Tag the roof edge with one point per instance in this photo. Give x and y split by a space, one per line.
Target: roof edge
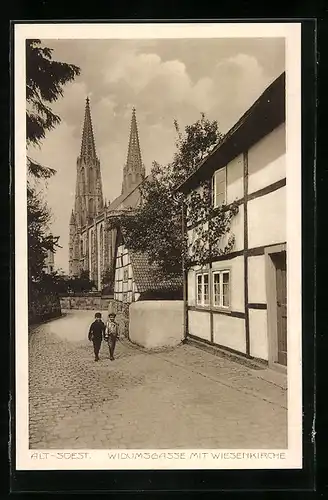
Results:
254 109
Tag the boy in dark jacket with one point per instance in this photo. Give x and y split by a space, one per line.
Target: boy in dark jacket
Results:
96 332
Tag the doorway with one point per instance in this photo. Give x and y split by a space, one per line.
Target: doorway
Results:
281 297
276 285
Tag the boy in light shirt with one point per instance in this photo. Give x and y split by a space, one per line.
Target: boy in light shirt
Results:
111 334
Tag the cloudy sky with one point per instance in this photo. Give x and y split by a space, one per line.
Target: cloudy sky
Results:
164 80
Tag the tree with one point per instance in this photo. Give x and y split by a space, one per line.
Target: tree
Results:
155 227
82 283
39 242
45 79
107 280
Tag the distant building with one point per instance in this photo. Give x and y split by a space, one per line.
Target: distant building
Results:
239 301
91 241
134 275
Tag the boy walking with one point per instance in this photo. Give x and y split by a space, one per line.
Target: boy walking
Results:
96 332
111 334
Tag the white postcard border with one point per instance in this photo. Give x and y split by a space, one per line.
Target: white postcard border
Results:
164 459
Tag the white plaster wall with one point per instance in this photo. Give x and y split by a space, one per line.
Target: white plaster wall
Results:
125 258
258 332
192 288
236 268
235 179
229 331
118 273
267 160
192 283
192 235
236 228
199 324
122 286
267 219
256 279
154 324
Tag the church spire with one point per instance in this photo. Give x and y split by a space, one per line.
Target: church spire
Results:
88 148
134 155
134 170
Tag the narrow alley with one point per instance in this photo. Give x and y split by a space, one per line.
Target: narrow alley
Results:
180 398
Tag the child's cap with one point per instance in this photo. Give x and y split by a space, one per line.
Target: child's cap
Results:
98 315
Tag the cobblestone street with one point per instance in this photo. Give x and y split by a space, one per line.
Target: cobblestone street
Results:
182 398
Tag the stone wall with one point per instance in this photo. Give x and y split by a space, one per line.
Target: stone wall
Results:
122 315
85 302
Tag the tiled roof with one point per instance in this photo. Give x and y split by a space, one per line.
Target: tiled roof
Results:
124 198
146 274
266 113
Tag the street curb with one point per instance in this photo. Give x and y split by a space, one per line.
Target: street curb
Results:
217 351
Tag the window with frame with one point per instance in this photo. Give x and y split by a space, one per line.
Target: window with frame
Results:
221 289
219 187
203 296
126 274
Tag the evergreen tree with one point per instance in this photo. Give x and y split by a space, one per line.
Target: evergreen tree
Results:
45 79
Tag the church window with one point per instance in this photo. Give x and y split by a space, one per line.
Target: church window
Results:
91 241
91 176
101 247
91 206
83 179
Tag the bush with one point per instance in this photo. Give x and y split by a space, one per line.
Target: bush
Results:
43 303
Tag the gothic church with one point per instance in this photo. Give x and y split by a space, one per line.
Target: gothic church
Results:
91 240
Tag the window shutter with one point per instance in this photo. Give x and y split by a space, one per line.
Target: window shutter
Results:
219 184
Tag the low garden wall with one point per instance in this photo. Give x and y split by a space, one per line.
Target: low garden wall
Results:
85 302
156 324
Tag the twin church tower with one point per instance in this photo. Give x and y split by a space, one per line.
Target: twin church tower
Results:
91 240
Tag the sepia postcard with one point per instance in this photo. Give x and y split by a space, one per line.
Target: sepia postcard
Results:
158 246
